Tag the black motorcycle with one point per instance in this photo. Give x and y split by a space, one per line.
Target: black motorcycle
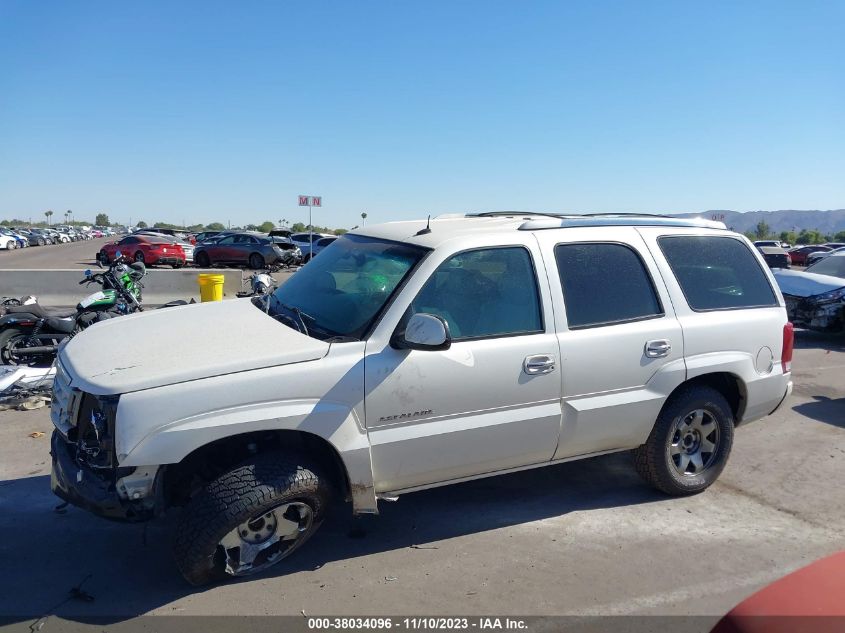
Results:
30 334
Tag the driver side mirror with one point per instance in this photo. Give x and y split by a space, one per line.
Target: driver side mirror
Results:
424 332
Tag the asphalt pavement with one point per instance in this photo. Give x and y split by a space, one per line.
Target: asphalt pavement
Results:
582 538
56 256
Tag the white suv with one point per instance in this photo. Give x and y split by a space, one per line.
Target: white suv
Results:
410 356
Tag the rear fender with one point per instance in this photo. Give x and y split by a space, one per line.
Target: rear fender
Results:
18 319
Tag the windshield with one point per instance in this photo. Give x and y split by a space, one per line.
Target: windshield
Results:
342 292
833 265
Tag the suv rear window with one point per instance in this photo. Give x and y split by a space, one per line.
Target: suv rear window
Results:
604 284
717 273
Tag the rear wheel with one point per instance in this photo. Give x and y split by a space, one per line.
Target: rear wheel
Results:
12 245
203 260
103 258
13 340
250 518
690 442
256 261
139 257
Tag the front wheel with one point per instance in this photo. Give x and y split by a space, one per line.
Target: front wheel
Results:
250 518
690 442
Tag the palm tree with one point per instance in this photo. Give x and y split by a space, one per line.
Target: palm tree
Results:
48 214
363 217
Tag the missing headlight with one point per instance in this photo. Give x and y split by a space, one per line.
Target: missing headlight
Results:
95 434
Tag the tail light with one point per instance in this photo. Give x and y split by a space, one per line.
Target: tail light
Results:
788 344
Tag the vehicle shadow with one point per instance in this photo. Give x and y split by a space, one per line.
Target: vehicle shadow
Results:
129 571
824 409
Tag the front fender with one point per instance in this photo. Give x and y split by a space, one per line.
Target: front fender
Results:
163 425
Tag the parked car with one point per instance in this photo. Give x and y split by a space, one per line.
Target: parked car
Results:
768 243
407 357
204 235
20 240
147 249
319 245
40 237
798 255
187 247
812 258
182 236
774 256
304 241
815 297
243 249
8 242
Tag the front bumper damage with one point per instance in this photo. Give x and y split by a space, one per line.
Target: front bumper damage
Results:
93 490
811 314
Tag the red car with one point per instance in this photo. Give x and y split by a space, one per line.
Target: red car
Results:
144 248
798 255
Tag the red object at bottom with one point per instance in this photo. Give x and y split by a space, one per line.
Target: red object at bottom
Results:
811 599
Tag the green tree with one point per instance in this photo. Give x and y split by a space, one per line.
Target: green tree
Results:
102 219
809 236
839 237
142 225
340 231
48 214
266 226
762 230
215 226
298 227
788 236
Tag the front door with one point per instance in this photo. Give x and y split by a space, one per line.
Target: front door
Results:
491 401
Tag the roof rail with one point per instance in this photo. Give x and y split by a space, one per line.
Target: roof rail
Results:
635 219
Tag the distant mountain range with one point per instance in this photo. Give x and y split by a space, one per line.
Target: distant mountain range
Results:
828 222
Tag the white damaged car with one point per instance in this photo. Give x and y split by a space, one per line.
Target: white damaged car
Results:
815 298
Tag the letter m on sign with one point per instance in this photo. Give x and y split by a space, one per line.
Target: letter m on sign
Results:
303 201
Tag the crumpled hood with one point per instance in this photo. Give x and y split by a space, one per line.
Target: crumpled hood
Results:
170 345
801 284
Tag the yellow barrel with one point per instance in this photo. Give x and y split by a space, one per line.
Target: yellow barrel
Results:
211 287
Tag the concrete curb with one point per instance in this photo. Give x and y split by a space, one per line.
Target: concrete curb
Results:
61 287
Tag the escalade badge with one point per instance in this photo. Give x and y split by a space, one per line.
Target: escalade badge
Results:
405 416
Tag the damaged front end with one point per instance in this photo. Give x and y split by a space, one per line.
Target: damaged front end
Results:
822 313
85 470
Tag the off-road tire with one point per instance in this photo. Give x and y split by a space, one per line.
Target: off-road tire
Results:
652 459
257 485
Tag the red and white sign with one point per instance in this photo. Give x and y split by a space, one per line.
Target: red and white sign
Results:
310 201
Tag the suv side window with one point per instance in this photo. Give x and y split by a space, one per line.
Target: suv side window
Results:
604 284
484 293
717 273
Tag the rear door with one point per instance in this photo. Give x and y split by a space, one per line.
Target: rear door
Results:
621 344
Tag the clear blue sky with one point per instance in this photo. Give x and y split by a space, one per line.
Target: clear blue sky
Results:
217 111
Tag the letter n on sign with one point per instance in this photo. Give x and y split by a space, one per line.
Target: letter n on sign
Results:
316 201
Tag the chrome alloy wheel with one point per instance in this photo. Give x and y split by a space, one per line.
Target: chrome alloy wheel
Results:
694 442
265 539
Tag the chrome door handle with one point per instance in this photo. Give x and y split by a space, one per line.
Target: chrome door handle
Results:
658 348
539 364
